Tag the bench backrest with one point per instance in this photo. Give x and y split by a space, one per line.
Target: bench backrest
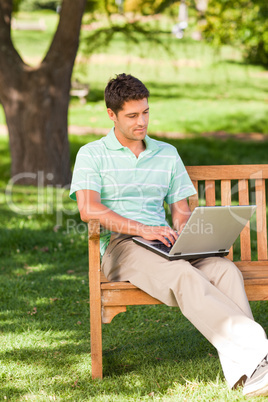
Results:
245 184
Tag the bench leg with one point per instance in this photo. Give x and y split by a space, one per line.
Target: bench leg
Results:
96 340
95 297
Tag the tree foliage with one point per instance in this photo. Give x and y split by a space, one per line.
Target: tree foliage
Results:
148 7
242 23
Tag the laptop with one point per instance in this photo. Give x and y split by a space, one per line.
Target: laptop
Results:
210 231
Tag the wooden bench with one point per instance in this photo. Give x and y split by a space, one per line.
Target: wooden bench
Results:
243 184
80 90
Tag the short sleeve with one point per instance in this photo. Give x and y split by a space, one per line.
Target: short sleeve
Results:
86 174
181 185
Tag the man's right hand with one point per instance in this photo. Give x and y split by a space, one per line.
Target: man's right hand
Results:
165 234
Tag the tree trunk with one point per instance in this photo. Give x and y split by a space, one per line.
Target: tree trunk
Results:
36 116
36 100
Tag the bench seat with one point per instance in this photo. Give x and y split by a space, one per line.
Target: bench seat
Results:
255 275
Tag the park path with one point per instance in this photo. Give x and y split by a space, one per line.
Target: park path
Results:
83 130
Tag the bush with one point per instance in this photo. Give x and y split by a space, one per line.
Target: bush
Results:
31 5
240 23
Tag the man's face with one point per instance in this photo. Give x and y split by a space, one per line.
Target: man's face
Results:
132 121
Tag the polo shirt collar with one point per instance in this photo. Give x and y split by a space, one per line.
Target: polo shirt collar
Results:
112 142
151 145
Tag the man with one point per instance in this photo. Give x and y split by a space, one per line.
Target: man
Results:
123 180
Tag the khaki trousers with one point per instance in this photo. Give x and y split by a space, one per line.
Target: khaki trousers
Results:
209 292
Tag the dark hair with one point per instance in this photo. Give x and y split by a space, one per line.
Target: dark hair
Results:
122 89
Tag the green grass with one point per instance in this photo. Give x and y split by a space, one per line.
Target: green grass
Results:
33 45
187 100
150 352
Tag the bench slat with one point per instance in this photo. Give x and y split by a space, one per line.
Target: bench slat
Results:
245 234
261 219
226 192
194 199
127 297
210 193
229 172
250 269
117 285
226 200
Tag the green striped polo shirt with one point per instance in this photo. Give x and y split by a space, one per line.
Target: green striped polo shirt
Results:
135 188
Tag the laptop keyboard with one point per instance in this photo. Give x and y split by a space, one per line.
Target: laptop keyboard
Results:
162 247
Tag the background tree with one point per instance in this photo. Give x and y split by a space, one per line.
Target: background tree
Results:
36 99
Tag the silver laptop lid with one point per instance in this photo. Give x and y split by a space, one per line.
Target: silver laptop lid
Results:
211 229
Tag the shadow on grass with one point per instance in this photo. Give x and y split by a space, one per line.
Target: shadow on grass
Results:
212 151
200 150
45 310
229 90
46 313
160 342
203 91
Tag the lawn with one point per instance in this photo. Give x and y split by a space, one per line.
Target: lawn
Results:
194 89
150 352
214 96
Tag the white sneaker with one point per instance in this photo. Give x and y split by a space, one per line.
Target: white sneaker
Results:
257 384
